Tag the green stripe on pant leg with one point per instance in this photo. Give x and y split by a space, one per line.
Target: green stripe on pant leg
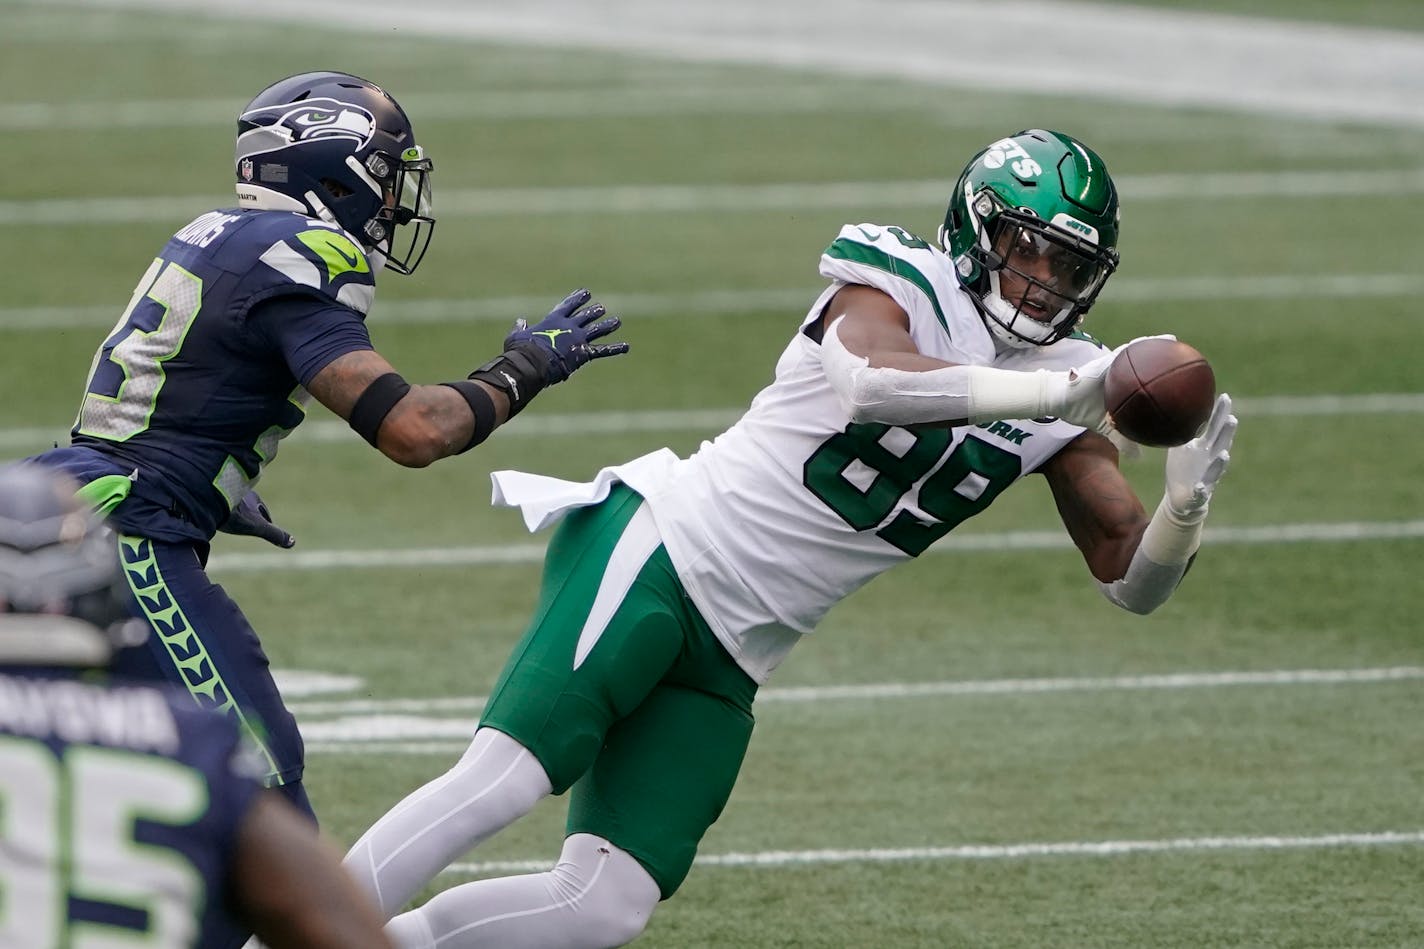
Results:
556 706
180 640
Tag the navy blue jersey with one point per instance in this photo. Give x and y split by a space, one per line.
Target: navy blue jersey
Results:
119 810
203 374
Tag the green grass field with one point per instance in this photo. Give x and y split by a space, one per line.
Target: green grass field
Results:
1225 772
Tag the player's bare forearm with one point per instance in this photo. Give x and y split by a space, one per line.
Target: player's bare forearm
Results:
1099 508
429 422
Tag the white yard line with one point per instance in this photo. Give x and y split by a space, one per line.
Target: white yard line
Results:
287 561
660 96
1174 59
794 300
376 720
770 859
740 198
329 431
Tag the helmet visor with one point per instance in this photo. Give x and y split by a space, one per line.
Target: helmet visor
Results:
1042 277
1054 268
412 214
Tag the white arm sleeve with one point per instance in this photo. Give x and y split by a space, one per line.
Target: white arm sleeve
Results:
1159 563
952 394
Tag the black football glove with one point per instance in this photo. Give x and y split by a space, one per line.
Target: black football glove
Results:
562 341
251 518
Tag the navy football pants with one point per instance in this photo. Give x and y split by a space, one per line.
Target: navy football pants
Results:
203 643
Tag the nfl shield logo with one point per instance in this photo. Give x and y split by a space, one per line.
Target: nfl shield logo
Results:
246 169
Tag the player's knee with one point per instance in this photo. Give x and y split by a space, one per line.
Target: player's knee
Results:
497 780
611 893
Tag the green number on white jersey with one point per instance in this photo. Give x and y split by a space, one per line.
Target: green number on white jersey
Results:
968 481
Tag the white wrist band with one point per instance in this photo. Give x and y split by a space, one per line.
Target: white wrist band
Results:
1002 393
1171 538
1159 562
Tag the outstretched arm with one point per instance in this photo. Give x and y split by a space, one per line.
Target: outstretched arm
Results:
1138 561
415 425
1102 513
873 364
426 423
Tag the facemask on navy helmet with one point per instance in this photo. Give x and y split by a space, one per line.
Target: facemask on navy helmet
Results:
62 590
338 148
1033 228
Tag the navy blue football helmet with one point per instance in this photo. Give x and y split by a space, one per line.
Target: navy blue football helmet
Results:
339 148
63 596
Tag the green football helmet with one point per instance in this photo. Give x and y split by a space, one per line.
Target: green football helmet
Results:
1032 229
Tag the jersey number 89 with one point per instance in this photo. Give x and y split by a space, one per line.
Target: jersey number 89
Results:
965 484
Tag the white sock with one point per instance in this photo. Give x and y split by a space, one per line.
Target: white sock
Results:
496 782
597 897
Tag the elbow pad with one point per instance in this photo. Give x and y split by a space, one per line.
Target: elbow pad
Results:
1146 586
1159 563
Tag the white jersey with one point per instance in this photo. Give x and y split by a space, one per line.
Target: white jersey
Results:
794 507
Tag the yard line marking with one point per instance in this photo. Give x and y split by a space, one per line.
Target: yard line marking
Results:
1322 71
739 198
665 95
388 719
533 553
1023 851
1123 290
328 431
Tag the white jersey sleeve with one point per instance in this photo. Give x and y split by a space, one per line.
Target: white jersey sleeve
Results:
918 277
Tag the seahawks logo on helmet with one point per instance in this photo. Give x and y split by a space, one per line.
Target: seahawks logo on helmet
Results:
315 120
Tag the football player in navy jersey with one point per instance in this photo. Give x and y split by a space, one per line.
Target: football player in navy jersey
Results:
245 315
126 812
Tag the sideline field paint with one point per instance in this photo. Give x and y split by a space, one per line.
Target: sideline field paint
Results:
1172 59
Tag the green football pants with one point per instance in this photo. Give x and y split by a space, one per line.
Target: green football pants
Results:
623 693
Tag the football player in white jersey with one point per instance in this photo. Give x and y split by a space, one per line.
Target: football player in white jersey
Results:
923 382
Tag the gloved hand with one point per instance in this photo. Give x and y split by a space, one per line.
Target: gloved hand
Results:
251 518
561 340
1194 469
1081 394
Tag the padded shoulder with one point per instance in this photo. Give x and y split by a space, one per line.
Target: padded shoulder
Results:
279 251
917 276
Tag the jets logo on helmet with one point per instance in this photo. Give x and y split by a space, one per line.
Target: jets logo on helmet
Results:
340 149
1032 228
1000 153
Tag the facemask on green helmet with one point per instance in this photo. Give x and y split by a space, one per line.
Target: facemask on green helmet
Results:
1032 229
